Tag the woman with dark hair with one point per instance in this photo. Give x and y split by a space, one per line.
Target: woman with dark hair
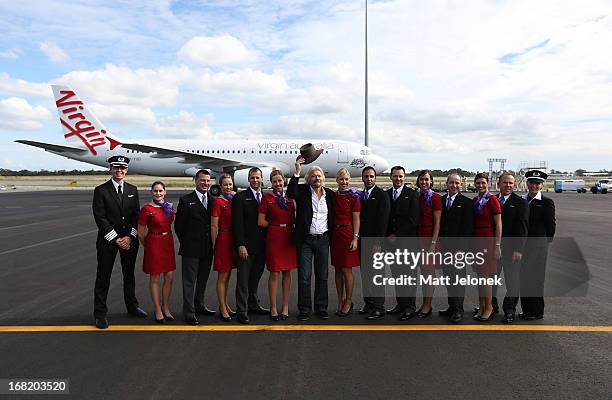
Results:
277 214
225 257
345 240
158 243
428 229
487 236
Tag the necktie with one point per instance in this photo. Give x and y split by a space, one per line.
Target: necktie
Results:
120 194
449 202
205 201
502 200
395 194
258 197
367 194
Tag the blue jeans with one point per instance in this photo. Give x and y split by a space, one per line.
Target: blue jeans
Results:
315 248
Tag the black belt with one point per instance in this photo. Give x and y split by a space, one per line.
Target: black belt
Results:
221 230
342 226
160 233
317 235
280 225
484 226
425 226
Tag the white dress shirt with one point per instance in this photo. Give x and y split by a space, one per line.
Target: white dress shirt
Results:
319 213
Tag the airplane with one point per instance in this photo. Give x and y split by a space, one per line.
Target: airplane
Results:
87 140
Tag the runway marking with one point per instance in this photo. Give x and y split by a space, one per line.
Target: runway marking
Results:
250 328
41 222
47 242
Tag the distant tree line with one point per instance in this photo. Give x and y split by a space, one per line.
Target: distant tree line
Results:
44 172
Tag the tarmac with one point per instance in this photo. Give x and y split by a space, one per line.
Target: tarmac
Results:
48 263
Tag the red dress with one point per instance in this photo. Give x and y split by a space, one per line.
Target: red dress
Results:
225 254
426 225
484 234
345 204
281 254
159 243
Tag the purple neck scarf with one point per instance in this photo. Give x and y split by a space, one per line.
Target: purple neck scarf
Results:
358 194
482 201
228 196
167 207
281 200
428 195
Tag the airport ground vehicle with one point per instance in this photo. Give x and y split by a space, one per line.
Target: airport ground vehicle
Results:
602 186
569 185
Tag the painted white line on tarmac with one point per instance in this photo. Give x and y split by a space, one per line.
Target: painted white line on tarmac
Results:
46 242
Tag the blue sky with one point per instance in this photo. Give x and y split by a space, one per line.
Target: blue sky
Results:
451 83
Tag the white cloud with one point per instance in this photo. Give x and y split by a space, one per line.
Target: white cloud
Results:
11 53
185 125
308 127
123 85
54 52
216 50
246 82
20 87
17 114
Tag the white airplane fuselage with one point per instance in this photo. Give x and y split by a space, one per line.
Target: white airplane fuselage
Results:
280 154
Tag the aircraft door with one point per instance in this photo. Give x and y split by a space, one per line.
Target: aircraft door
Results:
342 153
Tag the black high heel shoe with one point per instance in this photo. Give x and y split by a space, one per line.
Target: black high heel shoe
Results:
159 321
222 318
274 317
168 317
345 314
284 316
231 312
421 314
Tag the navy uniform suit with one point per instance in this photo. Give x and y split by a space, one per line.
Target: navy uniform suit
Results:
456 223
403 222
515 221
192 227
246 232
115 217
542 227
374 219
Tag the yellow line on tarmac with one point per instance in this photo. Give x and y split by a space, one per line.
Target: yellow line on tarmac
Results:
249 328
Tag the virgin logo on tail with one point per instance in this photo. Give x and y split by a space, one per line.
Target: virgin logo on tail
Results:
71 117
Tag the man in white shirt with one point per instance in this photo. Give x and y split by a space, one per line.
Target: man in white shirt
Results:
314 219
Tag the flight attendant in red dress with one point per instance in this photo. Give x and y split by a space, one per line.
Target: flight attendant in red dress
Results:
221 234
487 234
277 214
344 240
157 217
430 207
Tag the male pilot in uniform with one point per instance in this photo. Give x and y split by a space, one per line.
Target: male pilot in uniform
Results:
541 232
116 208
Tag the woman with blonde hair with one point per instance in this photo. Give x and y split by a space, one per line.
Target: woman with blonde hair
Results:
345 240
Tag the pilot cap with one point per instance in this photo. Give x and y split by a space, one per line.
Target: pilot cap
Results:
535 175
118 161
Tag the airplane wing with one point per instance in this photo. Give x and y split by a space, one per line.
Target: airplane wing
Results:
56 148
218 163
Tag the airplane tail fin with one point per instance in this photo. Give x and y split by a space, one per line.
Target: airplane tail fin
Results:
81 127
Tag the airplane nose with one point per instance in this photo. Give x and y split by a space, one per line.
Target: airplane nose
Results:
380 164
